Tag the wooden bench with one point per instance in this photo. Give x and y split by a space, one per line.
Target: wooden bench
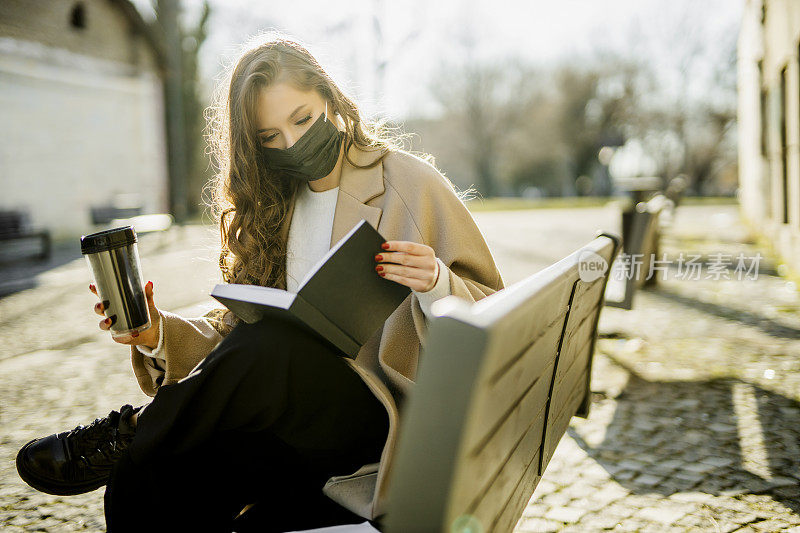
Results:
104 214
497 385
18 238
640 242
674 192
114 217
676 189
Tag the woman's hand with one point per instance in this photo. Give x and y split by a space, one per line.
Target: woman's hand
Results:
149 337
409 263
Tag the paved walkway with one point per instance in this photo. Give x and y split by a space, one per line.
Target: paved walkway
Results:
695 422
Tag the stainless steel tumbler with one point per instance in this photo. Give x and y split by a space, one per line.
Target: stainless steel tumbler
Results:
113 258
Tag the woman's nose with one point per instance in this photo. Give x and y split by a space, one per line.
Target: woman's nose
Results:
290 140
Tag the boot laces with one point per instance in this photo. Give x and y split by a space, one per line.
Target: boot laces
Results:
97 446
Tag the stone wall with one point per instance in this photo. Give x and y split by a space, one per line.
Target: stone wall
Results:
82 114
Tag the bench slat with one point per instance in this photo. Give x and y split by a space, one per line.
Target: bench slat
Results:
580 337
479 468
571 383
499 366
518 499
496 498
586 301
570 386
500 396
557 426
516 330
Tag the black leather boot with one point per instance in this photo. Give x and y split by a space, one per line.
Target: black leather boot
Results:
77 461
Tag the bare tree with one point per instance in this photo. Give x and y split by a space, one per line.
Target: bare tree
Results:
484 104
511 125
688 119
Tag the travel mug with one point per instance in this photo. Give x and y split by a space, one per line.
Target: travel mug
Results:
113 258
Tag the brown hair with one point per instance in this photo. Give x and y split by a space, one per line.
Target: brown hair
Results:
249 203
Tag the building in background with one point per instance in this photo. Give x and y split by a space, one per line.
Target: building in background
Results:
769 122
82 120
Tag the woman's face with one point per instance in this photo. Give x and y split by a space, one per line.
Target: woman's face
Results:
284 114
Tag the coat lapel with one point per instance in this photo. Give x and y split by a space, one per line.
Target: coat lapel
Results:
357 186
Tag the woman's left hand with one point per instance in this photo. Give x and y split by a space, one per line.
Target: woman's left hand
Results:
409 263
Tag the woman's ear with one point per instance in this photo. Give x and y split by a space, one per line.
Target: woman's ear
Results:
339 122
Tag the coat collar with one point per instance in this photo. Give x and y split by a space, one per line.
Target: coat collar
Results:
357 186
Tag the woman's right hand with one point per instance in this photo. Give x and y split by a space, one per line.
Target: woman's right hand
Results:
148 337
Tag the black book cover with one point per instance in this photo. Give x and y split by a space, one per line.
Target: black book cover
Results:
342 298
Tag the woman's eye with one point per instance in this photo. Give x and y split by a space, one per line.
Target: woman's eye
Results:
271 137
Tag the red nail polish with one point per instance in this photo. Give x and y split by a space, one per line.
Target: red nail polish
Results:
385 246
379 268
378 257
382 274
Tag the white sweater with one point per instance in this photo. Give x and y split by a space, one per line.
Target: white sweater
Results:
309 240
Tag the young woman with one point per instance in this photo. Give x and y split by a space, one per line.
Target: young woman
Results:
266 416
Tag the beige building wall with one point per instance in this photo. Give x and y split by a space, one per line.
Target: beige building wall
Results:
82 115
753 171
769 122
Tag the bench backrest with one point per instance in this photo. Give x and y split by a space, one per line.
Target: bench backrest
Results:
12 222
676 189
642 242
497 384
105 214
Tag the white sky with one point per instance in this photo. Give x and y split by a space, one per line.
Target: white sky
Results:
342 36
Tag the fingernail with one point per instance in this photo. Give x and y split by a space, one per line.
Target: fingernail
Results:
378 257
382 274
385 246
107 320
379 268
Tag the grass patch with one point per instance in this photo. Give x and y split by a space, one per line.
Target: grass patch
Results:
514 203
573 202
785 269
708 200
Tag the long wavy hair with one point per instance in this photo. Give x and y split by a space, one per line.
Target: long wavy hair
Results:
249 202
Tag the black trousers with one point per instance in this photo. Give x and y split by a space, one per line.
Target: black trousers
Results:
266 418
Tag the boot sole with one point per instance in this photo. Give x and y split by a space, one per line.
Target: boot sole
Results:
49 486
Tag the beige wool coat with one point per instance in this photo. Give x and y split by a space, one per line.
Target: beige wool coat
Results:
405 198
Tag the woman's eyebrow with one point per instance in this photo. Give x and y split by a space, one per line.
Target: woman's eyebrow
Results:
301 106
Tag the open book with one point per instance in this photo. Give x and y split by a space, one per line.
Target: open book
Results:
342 298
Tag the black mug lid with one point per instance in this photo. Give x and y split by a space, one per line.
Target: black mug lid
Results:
109 239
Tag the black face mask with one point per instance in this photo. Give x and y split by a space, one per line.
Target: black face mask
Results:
312 156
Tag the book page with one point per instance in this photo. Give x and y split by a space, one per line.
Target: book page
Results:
256 294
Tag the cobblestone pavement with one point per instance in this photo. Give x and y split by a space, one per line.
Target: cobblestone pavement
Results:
695 424
695 421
